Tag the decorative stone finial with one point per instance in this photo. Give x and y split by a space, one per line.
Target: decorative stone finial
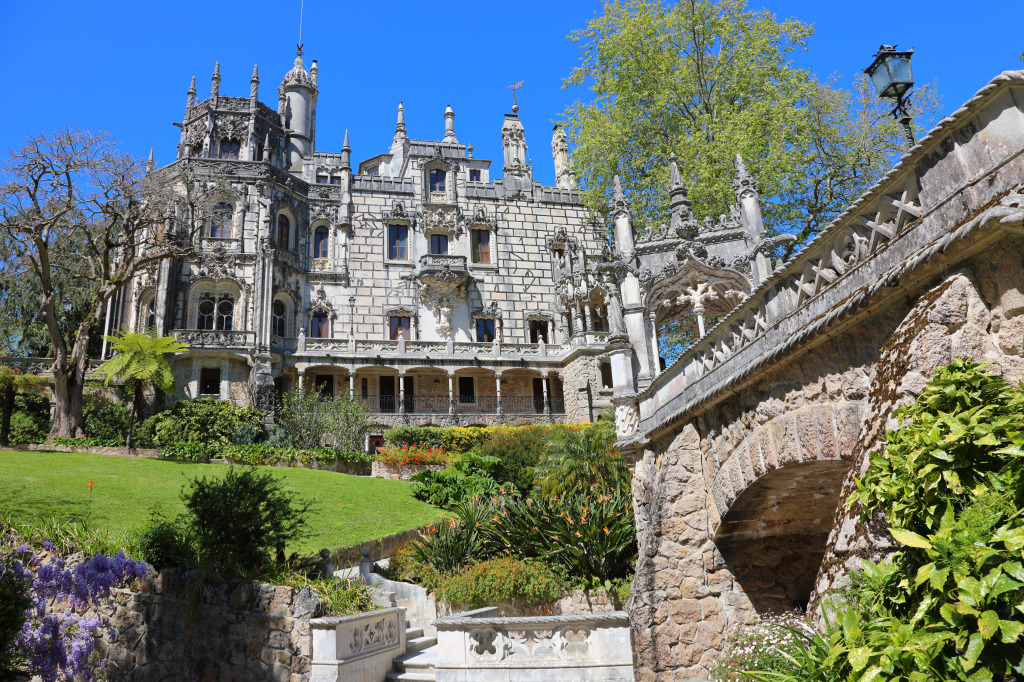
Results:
254 82
683 225
449 125
400 126
346 154
215 81
314 71
619 203
469 150
744 184
192 93
149 163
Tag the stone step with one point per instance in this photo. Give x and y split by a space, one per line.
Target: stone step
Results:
419 644
417 661
411 677
412 633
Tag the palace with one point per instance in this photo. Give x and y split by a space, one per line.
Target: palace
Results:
413 280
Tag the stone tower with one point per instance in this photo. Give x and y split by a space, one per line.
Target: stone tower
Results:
297 104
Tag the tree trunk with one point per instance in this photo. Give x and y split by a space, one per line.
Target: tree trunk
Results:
5 417
68 421
136 409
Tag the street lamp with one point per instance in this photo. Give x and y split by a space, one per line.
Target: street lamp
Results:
892 77
66 304
351 315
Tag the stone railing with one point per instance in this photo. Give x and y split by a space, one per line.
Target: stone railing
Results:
436 262
478 645
359 647
379 183
288 258
910 215
212 243
207 338
432 349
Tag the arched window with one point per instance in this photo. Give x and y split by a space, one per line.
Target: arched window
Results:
437 178
278 324
220 228
283 227
150 315
320 242
225 313
229 149
206 313
320 326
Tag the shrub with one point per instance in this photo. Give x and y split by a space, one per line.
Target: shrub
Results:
204 420
764 644
502 579
519 449
168 543
591 535
105 419
454 541
267 455
340 596
190 452
412 455
240 520
465 438
468 477
30 422
88 442
430 437
311 420
15 600
582 459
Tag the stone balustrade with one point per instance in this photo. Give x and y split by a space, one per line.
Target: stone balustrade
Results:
359 648
479 646
210 338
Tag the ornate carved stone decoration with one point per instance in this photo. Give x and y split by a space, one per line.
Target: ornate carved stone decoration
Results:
443 219
321 304
744 184
619 203
398 215
215 263
443 291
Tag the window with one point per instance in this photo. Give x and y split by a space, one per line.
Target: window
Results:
400 327
321 178
335 179
209 381
283 229
484 330
324 384
474 175
538 331
606 375
480 246
373 171
439 244
278 325
225 314
206 313
220 228
229 149
320 326
320 242
150 316
398 242
437 180
466 390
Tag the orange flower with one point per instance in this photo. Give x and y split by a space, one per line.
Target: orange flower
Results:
606 529
496 517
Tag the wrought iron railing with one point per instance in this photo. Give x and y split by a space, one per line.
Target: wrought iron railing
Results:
462 404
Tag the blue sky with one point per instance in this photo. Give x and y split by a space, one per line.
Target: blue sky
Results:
125 66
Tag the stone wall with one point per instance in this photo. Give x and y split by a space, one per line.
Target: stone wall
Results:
244 632
402 473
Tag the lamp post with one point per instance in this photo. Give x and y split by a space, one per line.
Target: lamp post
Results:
892 77
351 315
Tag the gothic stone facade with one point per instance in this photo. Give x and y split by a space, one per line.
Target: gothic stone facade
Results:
414 281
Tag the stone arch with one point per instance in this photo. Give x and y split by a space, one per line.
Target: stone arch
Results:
215 288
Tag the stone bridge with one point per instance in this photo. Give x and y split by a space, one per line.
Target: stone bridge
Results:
750 441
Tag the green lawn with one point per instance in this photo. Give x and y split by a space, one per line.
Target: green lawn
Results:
346 509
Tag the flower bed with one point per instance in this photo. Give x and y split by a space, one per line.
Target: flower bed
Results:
404 462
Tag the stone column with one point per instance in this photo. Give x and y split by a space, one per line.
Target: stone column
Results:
544 387
655 356
351 385
588 324
497 392
401 391
302 375
451 392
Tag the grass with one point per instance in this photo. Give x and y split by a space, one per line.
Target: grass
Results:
36 486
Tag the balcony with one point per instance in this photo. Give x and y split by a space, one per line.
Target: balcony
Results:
204 338
435 264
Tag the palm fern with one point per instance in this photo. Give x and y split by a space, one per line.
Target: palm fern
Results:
14 383
581 460
140 362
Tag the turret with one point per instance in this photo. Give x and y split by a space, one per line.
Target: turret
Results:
400 135
215 83
564 175
449 126
518 180
297 102
191 94
254 86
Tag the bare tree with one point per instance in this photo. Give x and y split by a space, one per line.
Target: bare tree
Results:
71 203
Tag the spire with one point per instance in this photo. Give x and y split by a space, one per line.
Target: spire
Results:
254 83
449 125
564 176
346 154
149 163
400 126
619 203
192 93
744 184
683 224
314 71
215 81
266 148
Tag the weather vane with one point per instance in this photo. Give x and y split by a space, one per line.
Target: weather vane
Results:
298 45
515 86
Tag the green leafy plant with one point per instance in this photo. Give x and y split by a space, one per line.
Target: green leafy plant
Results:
340 596
168 543
502 579
582 459
106 419
14 383
453 541
518 449
87 442
140 362
203 420
312 420
15 601
243 518
412 455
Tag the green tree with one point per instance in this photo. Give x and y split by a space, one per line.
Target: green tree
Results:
582 459
139 361
709 80
12 384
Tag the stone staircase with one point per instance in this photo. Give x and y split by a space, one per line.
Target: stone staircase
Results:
417 665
